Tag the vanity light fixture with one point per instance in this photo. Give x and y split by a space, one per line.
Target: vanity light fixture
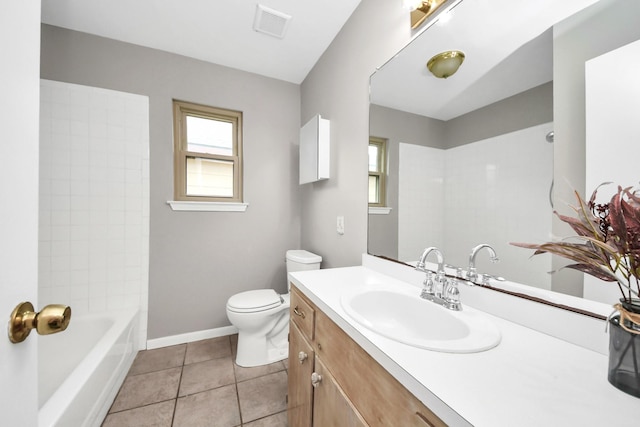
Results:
445 64
421 10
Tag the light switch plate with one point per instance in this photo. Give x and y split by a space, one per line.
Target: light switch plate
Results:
340 225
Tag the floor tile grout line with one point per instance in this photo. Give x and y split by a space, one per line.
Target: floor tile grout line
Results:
239 407
281 367
141 406
235 379
260 376
153 372
175 406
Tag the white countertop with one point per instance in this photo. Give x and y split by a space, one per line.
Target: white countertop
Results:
529 379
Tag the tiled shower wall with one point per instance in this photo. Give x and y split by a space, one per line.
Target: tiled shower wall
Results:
94 199
420 199
492 191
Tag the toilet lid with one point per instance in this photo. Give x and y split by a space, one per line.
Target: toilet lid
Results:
256 300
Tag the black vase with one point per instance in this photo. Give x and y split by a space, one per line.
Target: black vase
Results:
624 358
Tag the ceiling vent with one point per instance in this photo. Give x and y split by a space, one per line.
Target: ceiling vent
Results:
271 22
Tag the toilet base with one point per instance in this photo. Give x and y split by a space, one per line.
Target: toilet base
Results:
254 351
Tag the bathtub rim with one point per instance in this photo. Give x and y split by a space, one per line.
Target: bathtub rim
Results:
124 320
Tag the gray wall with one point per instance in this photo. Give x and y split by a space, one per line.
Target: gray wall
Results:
198 259
338 89
523 110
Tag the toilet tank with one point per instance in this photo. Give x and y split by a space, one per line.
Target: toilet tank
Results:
300 260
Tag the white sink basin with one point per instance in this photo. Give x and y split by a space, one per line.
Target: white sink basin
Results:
400 314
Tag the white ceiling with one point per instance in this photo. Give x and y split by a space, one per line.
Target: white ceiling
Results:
508 48
217 31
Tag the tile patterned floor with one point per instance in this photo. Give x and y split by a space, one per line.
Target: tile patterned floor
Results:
199 385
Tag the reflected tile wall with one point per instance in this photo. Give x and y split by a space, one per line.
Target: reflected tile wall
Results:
94 199
420 199
493 191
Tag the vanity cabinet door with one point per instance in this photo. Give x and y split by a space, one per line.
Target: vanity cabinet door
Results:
300 390
379 397
330 405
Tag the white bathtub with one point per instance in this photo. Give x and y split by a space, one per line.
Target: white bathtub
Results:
82 368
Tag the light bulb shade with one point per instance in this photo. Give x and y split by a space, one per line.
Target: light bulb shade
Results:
445 64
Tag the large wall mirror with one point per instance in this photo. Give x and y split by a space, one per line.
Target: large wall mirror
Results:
472 158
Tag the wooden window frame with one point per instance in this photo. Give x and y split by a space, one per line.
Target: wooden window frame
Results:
181 110
382 171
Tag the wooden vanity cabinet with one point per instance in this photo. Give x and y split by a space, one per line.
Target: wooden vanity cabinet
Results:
331 407
352 389
300 390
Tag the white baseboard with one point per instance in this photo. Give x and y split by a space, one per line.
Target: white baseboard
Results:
191 337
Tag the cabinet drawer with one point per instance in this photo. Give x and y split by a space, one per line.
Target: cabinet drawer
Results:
386 401
302 313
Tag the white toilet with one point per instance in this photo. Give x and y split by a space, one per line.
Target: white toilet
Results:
262 316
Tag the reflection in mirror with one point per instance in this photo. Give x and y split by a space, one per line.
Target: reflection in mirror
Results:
469 158
377 171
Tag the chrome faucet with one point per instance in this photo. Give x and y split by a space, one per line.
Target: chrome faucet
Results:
442 291
439 257
472 274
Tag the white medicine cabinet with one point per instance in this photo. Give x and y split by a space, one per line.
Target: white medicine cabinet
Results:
314 150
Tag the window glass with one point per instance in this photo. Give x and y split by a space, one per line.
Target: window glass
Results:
207 153
373 158
373 189
377 171
209 136
209 178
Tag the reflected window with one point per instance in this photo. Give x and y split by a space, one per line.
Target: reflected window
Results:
377 171
208 153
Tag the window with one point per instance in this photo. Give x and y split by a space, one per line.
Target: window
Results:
207 153
377 171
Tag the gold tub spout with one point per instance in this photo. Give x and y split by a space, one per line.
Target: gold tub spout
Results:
51 319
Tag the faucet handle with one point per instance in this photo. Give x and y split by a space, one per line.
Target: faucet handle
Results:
452 295
485 279
452 292
428 286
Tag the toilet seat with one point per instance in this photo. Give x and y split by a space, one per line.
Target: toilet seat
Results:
254 301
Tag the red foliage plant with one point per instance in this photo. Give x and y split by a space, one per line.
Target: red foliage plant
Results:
607 244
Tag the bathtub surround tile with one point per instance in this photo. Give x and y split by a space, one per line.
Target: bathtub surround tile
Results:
262 396
213 348
144 389
156 360
210 374
217 407
84 149
244 374
156 415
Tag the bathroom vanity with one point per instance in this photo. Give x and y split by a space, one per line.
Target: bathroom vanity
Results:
333 381
342 373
